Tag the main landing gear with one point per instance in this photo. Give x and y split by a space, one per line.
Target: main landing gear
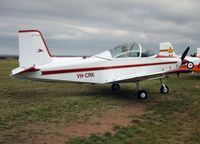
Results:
141 93
115 87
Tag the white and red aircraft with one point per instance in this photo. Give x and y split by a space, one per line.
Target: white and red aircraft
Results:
190 63
124 63
193 62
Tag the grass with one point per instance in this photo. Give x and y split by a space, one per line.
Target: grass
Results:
29 108
169 119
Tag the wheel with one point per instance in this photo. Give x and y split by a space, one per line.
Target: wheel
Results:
115 87
142 94
190 65
164 90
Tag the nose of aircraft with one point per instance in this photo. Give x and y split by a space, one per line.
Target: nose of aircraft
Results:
180 62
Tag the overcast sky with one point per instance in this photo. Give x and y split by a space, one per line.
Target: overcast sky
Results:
86 27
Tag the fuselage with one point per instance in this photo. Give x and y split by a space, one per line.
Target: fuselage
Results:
100 70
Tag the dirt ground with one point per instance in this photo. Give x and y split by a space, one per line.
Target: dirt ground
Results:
118 117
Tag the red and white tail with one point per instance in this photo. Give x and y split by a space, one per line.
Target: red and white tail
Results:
198 52
166 49
33 50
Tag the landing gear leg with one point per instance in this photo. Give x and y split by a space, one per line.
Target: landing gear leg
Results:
141 94
164 89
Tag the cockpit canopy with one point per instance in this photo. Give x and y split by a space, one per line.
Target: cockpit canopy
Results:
126 51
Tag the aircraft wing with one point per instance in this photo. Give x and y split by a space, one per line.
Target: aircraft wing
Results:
150 76
139 77
180 71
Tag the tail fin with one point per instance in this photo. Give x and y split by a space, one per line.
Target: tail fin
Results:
198 52
32 49
166 49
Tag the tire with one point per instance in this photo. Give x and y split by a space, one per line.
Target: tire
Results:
142 94
164 90
115 87
190 65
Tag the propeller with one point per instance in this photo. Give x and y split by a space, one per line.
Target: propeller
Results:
185 53
183 58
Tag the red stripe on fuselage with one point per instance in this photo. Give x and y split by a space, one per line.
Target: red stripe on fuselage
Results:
161 56
101 68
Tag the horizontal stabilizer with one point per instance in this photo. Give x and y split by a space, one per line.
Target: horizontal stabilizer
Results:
21 70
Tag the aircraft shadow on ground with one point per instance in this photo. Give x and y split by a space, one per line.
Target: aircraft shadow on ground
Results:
124 93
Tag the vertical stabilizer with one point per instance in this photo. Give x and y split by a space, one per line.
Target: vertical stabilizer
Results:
198 52
166 49
33 50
